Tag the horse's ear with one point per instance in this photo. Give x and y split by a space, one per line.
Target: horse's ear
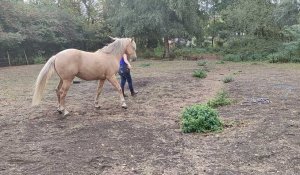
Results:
132 39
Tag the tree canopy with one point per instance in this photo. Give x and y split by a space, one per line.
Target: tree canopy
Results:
243 27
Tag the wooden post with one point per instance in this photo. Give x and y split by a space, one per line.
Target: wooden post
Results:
26 57
8 58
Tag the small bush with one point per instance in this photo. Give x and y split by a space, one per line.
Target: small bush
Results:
220 100
220 62
145 65
228 79
200 118
188 51
202 63
296 59
200 74
159 51
232 57
39 60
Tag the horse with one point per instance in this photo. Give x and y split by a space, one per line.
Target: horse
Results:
100 65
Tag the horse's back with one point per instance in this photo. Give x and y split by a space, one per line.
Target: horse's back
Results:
85 65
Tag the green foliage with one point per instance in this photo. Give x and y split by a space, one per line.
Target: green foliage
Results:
287 13
145 65
254 17
290 50
220 100
200 119
249 49
202 63
152 20
39 60
44 25
241 30
187 51
220 62
151 52
228 79
232 57
159 51
200 74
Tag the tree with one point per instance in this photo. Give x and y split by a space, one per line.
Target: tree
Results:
251 17
287 13
154 19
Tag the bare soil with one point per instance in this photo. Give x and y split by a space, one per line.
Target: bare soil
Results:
259 138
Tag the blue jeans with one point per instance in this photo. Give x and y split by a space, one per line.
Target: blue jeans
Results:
125 76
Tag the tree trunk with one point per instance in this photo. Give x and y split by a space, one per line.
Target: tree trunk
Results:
213 35
167 47
8 58
26 57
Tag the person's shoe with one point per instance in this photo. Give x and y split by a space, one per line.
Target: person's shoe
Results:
134 93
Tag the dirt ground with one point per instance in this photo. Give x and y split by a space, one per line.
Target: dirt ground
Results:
260 138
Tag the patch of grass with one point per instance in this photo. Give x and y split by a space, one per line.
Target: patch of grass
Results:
221 99
145 65
201 119
220 62
228 79
200 74
202 63
233 123
39 60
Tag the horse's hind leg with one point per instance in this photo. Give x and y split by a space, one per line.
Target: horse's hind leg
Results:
113 80
62 94
99 89
57 92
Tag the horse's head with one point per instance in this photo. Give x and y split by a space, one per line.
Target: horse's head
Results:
130 50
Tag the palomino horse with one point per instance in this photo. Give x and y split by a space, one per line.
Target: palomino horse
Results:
100 65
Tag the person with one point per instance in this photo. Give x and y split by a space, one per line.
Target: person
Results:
124 72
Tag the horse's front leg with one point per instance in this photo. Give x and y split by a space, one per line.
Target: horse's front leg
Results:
113 80
99 90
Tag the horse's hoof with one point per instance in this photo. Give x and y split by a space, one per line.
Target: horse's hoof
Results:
59 111
66 113
124 106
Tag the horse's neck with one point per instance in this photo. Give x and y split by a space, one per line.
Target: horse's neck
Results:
119 56
116 56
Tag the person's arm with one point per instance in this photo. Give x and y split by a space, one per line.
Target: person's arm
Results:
126 61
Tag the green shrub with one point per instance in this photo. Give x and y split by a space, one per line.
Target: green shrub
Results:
220 62
200 74
188 51
220 100
202 63
145 65
39 60
200 118
228 79
249 48
232 57
295 59
159 51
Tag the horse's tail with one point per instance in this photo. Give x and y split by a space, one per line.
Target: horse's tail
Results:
42 79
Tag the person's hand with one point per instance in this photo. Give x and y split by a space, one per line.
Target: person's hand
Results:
129 66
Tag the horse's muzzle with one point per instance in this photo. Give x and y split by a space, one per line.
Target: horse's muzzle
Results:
133 59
